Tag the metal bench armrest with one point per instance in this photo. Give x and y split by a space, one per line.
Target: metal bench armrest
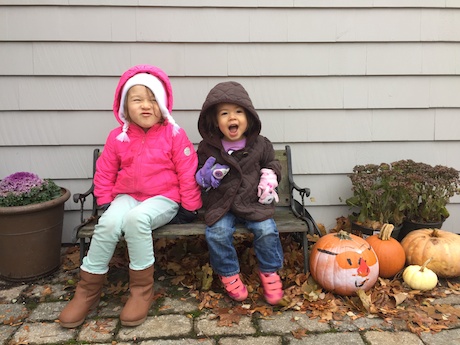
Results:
298 208
81 198
302 191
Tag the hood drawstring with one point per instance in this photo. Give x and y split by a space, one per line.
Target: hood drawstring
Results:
123 136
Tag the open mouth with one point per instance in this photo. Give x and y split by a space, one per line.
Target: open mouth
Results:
233 129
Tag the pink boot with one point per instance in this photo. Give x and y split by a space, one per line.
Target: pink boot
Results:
235 287
273 289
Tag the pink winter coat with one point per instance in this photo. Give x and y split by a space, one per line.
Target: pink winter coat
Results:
156 162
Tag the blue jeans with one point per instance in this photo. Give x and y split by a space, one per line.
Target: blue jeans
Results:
134 220
222 253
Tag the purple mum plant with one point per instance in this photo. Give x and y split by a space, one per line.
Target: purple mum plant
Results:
25 188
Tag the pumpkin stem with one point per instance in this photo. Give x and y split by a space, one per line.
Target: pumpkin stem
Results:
385 232
343 235
435 233
424 264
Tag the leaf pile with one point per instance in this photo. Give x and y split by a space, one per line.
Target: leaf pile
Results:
184 262
187 260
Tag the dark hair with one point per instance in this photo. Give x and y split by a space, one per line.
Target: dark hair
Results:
250 119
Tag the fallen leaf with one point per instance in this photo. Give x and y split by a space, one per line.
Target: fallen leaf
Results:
206 280
299 333
400 297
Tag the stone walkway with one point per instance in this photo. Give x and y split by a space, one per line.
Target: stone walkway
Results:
28 314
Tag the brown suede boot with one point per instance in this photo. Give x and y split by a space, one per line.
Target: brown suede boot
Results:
140 297
86 297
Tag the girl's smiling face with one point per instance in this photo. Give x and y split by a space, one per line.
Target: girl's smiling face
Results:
232 121
142 106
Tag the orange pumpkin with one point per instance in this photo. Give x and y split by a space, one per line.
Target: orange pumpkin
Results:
440 245
390 253
344 263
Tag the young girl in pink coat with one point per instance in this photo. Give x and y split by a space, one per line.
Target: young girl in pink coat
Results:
145 178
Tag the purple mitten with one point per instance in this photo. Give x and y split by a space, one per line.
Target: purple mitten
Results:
204 175
266 188
211 174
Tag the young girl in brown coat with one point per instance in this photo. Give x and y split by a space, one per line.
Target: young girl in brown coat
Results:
230 128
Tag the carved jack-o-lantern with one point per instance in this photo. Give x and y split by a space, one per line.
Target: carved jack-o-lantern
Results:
344 263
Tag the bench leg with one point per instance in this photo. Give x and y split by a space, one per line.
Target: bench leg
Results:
82 249
306 265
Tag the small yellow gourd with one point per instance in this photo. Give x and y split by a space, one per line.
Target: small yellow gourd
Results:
420 277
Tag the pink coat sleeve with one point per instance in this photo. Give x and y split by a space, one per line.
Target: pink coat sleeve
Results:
186 162
105 177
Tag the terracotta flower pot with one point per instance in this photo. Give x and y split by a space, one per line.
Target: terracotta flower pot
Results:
30 239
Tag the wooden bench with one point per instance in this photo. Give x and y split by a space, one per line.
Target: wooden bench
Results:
291 216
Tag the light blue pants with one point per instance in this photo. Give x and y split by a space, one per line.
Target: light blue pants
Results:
134 220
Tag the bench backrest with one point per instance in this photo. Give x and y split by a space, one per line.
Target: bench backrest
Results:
284 192
283 186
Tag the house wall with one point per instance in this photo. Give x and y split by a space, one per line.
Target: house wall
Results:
343 82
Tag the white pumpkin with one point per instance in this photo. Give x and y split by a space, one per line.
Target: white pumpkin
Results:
420 277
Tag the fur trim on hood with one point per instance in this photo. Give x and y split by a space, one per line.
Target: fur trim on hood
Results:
153 78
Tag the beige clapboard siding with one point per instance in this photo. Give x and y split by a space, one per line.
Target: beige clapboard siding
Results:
339 158
231 59
343 82
51 128
363 92
45 128
72 162
244 3
124 24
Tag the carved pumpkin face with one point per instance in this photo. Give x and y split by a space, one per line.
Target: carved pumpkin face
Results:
344 263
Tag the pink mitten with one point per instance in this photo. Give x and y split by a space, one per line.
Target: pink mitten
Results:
266 188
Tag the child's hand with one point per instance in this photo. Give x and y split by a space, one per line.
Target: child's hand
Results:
211 174
104 207
184 216
266 188
268 195
204 175
218 173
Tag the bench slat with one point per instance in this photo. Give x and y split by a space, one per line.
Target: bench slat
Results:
285 222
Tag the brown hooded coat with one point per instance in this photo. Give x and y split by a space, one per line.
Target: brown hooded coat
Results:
238 189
